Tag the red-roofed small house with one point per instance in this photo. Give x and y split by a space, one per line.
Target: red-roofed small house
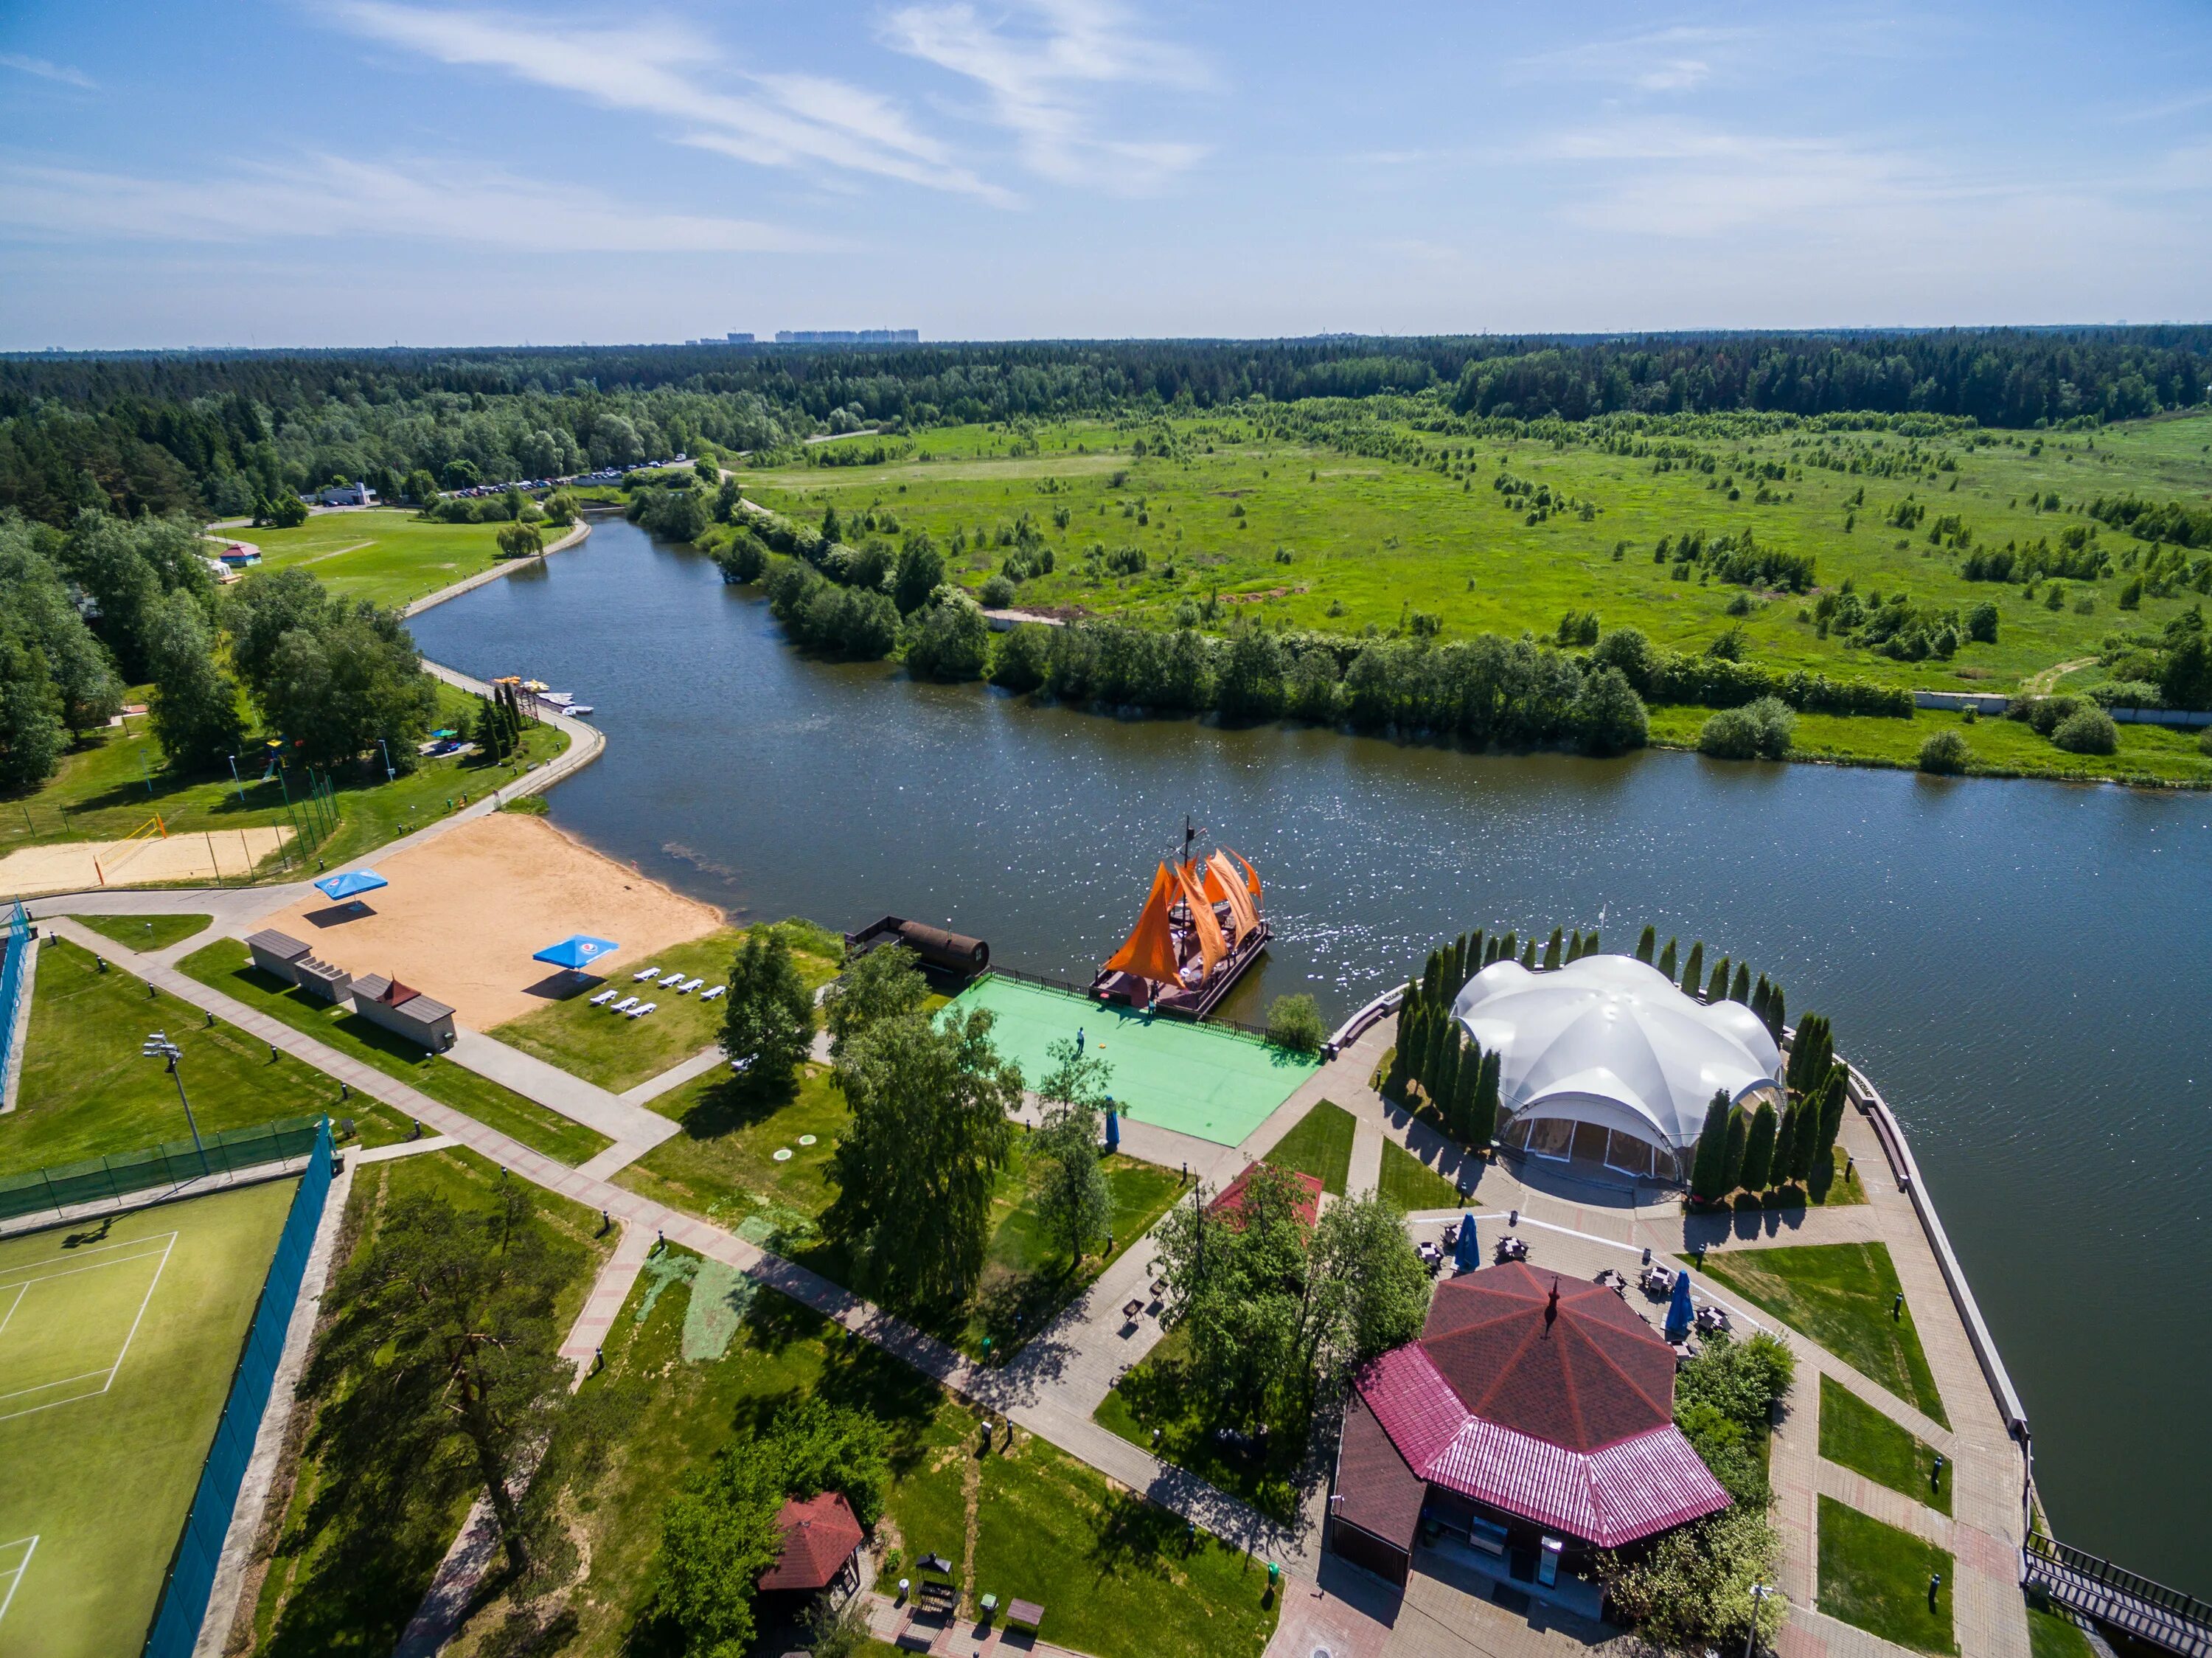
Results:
821 1536
1531 1424
1231 1204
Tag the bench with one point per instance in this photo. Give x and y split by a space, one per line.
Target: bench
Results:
1026 1615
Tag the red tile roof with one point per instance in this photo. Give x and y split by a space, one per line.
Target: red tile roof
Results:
1559 1410
820 1536
1230 1203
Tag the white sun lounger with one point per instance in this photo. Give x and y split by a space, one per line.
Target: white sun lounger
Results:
644 973
625 1004
716 991
642 1009
603 999
688 985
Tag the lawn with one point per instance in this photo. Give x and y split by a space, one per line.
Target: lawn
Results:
1162 1393
618 1053
1841 1296
221 966
115 783
1319 1144
1280 516
1875 1576
2052 1634
1412 1184
1111 1571
1855 1436
87 1090
129 1333
387 558
344 1577
145 934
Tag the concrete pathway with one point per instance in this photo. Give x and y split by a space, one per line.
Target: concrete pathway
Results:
674 1077
1365 1172
605 1304
559 1090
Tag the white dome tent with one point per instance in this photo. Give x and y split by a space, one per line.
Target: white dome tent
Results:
1606 1060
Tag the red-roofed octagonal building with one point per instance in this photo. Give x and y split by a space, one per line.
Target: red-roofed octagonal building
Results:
1534 1417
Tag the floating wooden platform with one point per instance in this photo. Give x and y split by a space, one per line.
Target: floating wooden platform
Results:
1196 1001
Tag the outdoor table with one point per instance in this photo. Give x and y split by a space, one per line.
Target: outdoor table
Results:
1132 1309
1027 1613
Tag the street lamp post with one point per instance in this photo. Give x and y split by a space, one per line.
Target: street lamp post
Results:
158 1047
1758 1593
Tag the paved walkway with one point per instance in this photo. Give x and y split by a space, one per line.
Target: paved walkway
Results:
605 1304
559 1090
674 1077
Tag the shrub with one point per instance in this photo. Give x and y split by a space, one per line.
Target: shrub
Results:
1611 715
742 557
2086 731
1024 655
1981 623
1944 753
1759 730
1294 1022
2204 742
948 640
997 593
521 541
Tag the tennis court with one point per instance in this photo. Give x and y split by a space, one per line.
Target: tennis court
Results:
117 1345
1198 1079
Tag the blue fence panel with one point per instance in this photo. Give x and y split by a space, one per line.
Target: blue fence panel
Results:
15 952
191 1569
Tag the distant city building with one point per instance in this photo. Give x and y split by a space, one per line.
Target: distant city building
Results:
740 339
848 336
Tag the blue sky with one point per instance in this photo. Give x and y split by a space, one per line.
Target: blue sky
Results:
361 172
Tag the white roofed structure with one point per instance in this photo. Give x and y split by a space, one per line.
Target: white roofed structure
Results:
1606 1060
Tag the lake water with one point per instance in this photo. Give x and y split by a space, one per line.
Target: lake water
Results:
2024 968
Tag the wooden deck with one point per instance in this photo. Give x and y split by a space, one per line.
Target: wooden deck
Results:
1196 1003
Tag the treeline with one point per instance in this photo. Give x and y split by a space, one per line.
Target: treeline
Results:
2172 520
1764 1149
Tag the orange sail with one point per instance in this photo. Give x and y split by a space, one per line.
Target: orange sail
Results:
1251 878
1212 947
1149 951
1219 872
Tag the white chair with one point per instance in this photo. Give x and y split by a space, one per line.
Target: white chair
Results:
603 999
625 1004
644 973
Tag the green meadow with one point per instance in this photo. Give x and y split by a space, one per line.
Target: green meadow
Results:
388 557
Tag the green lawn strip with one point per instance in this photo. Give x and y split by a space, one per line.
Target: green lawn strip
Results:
1161 1393
144 933
1412 1184
1834 1191
2052 1634
346 1578
1875 1576
115 784
220 966
1841 1295
1855 1436
88 1091
617 1052
103 1476
1319 1144
387 558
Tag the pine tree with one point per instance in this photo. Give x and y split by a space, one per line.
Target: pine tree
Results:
1646 944
1482 1121
1552 950
1759 1150
1710 1164
1732 1163
1666 960
1716 987
1776 1015
1693 970
1740 990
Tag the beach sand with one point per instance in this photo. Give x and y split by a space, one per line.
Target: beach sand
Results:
71 866
465 911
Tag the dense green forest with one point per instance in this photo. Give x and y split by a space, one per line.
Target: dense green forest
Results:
213 431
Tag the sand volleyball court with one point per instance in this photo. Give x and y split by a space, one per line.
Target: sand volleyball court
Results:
467 909
203 854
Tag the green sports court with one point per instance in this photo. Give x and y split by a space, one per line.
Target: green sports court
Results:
1199 1080
117 1342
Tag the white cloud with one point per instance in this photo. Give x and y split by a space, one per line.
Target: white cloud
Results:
1037 62
45 71
330 196
654 69
1675 59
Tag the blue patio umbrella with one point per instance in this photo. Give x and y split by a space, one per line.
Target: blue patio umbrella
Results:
577 952
1113 1128
1679 1314
1466 1253
350 883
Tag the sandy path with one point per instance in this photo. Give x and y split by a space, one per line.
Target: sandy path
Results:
71 866
465 912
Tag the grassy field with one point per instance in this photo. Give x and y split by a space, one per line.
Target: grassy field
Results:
1319 1144
222 966
145 933
1249 518
1876 1576
1841 1295
1411 1184
1855 1436
2050 1634
344 1577
87 1090
114 785
115 1359
1162 1393
618 1053
1113 1573
387 558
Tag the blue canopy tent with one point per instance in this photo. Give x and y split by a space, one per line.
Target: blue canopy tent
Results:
350 883
1680 1314
1466 1253
577 952
1113 1128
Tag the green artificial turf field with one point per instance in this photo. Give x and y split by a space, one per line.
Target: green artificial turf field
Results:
117 1348
1198 1079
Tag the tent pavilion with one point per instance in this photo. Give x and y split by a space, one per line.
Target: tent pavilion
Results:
1605 1061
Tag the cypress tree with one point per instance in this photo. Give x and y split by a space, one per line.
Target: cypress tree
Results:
1589 943
1759 1150
1458 964
1528 953
1811 1055
1739 991
1805 1145
1716 987
1482 1120
1465 1085
1432 978
1732 1160
1776 1015
1510 948
1710 1164
1646 945
1666 960
1409 1024
1415 1042
1760 992
1785 1141
1552 949
1444 1036
1693 970
1476 961
1833 1098
1445 1094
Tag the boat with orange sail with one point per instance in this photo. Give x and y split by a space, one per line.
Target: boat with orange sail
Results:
1201 926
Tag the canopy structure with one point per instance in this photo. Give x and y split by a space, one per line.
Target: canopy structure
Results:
576 952
350 883
1605 1059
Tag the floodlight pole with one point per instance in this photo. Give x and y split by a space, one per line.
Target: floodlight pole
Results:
158 1047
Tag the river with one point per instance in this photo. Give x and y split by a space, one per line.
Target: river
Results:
2024 968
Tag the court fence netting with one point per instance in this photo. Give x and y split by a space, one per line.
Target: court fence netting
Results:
172 1164
190 1579
15 945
